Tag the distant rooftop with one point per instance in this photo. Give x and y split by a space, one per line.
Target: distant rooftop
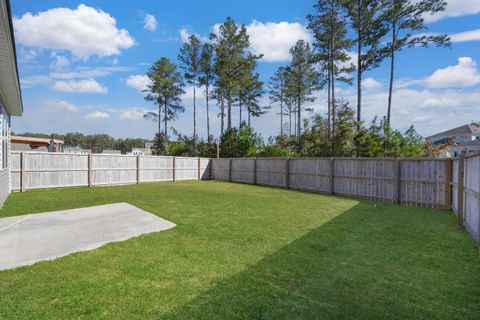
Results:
462 130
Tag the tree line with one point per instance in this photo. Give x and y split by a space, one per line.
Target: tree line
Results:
373 30
95 142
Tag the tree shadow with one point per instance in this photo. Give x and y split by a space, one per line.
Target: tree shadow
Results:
394 262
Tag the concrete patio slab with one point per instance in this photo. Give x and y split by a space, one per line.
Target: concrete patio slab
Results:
25 240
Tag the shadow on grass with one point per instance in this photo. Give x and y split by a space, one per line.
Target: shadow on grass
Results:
394 262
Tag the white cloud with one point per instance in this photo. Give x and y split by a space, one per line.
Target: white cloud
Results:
138 82
97 115
84 31
133 113
61 105
472 35
184 35
464 74
59 62
456 8
371 84
80 86
150 23
274 40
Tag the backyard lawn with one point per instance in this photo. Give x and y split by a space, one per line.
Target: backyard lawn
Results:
249 252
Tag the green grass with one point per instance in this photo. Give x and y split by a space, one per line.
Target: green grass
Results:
248 252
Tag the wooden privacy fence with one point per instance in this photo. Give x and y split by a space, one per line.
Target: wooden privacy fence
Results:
423 182
466 192
34 170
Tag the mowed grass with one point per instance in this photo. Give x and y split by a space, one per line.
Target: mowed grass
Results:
249 252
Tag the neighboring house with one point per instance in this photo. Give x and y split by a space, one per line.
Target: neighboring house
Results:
452 142
20 143
111 151
76 150
10 94
141 151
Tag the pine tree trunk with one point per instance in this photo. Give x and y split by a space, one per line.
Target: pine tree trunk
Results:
392 66
159 118
359 80
222 113
208 112
194 117
290 123
240 108
248 116
229 116
281 109
165 118
299 119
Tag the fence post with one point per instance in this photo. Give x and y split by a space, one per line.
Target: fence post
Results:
198 168
448 183
174 170
460 188
23 175
332 177
254 170
90 170
138 169
210 168
230 170
288 172
397 181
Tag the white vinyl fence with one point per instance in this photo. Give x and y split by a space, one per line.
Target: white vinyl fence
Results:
35 170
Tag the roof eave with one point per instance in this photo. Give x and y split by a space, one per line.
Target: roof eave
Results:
10 91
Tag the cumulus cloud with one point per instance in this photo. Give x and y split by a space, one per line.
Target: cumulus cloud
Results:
79 86
84 31
61 105
274 40
97 115
150 23
371 84
138 82
463 74
133 113
456 8
472 35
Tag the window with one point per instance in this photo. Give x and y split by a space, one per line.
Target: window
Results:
5 124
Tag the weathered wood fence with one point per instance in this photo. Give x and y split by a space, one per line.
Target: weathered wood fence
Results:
466 192
34 170
423 182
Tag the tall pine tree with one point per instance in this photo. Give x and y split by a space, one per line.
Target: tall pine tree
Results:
405 18
329 27
207 77
190 62
277 92
302 80
165 90
369 25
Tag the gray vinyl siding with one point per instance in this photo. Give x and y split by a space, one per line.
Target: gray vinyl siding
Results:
4 185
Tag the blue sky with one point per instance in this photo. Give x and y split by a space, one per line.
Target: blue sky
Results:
83 63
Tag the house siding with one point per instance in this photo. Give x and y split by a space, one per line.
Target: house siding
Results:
4 185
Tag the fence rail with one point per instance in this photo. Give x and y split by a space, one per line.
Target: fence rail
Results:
35 170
